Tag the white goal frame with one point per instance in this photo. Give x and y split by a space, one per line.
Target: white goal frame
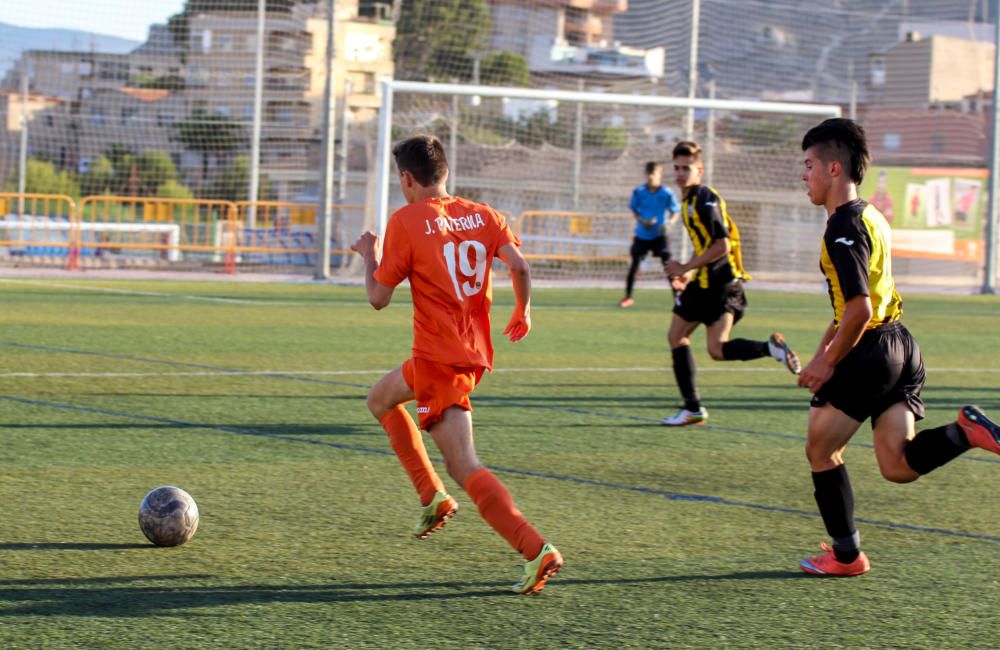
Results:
390 87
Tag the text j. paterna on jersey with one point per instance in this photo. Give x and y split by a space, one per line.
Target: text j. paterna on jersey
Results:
444 224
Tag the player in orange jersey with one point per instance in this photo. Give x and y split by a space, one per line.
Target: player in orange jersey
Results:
445 246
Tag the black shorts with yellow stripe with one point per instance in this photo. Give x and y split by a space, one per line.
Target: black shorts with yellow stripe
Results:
707 305
883 369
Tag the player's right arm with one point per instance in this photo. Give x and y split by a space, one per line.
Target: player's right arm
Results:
849 249
634 204
520 276
379 295
708 211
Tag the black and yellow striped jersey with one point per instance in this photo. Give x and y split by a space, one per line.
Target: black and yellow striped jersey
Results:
706 220
857 261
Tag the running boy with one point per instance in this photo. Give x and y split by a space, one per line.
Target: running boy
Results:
867 365
445 245
712 283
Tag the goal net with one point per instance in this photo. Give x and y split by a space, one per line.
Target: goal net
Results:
562 165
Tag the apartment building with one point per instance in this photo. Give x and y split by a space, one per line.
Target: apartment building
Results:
934 71
221 76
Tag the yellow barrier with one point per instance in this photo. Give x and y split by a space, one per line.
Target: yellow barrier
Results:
112 224
290 229
38 225
575 236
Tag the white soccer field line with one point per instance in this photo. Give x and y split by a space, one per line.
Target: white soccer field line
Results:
374 371
303 303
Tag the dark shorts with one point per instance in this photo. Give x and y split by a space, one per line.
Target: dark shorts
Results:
657 246
883 369
698 305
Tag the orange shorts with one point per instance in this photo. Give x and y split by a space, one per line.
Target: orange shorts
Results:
438 387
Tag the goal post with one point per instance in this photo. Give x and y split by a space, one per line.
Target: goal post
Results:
611 133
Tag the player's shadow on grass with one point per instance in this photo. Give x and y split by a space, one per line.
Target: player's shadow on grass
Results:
127 602
66 546
312 430
594 403
104 580
349 398
251 429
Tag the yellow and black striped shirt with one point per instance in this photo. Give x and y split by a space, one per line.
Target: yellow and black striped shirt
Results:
706 220
857 261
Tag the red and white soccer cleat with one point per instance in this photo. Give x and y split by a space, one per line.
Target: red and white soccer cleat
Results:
979 429
827 564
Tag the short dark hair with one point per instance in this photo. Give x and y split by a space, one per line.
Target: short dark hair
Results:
687 148
842 140
652 166
423 156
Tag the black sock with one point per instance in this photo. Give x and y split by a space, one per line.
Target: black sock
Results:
744 350
630 279
932 448
684 374
835 499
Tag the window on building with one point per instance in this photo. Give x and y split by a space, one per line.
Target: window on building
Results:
112 71
198 76
877 69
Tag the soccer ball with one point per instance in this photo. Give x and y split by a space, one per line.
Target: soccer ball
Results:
168 516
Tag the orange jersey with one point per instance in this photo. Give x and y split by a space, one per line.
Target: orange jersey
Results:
446 247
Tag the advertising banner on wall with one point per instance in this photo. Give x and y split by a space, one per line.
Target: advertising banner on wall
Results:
934 212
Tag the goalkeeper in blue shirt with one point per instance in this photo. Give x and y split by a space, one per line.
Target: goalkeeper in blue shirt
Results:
652 206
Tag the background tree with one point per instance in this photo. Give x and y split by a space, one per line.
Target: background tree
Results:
155 167
122 159
429 31
233 181
173 190
99 178
210 134
41 177
503 69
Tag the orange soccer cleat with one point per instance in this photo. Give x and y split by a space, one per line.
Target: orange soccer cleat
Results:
827 564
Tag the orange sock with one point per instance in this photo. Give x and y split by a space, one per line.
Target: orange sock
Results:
497 507
406 441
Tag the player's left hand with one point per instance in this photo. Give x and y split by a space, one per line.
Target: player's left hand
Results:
678 282
673 267
366 244
817 373
519 325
